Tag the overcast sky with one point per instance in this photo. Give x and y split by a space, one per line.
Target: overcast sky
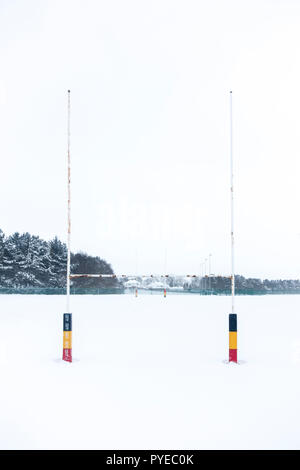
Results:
150 85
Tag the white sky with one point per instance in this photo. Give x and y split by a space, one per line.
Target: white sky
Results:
150 85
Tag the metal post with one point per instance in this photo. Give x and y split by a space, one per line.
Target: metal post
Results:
209 272
205 274
200 271
67 321
232 316
200 279
165 270
232 211
136 270
69 208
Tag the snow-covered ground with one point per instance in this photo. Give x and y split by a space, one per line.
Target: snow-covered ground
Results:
149 373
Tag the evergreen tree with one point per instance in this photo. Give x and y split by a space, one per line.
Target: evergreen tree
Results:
8 262
58 263
28 261
2 245
85 264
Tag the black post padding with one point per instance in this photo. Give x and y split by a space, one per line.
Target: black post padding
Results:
232 322
67 321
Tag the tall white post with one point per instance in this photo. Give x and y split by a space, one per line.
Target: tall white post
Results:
165 271
209 271
67 319
232 315
69 207
232 212
136 270
200 278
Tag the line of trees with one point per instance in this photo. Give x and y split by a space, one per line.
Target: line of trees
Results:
221 283
28 261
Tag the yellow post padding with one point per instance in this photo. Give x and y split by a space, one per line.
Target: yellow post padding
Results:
67 340
232 339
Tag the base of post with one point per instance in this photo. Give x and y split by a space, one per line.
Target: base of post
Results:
232 337
232 355
67 337
67 355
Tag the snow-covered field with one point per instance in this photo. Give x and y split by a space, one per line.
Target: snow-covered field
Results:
149 373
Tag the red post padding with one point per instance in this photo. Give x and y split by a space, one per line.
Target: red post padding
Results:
67 355
232 355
